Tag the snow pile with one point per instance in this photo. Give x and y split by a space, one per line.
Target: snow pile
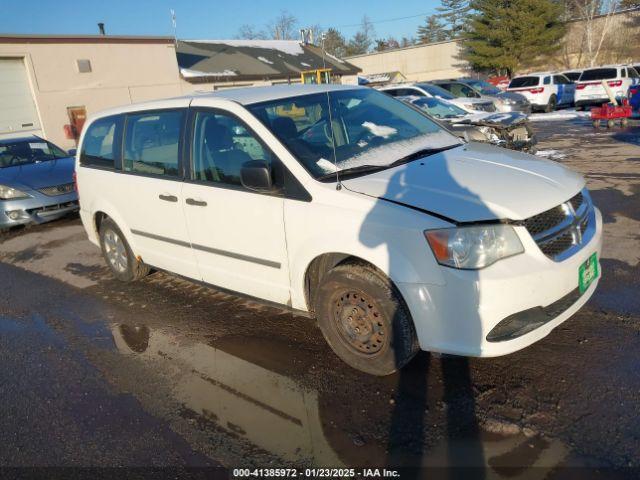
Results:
188 73
551 154
265 60
290 47
559 115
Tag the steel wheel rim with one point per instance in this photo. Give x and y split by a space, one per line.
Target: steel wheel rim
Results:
115 251
359 323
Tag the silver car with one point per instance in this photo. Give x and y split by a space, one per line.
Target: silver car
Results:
36 182
475 88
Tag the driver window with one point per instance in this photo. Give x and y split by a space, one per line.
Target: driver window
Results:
221 145
469 92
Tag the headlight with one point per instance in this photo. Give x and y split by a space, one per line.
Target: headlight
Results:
9 193
473 247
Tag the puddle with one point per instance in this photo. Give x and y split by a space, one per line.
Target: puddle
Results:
241 387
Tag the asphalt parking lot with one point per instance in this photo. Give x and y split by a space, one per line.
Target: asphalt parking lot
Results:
164 372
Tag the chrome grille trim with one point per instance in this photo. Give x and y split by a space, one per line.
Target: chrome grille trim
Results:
563 230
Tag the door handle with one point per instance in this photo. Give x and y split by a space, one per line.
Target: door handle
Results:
196 203
168 198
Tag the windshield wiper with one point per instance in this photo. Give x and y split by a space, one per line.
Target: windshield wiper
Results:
424 152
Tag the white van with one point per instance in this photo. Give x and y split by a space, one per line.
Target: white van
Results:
346 205
590 90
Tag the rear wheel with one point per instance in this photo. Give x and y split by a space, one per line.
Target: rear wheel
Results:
364 320
551 105
117 253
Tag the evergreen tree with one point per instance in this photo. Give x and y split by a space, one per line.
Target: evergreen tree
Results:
505 34
455 14
334 43
431 31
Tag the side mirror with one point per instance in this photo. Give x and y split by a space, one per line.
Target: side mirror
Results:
256 175
72 152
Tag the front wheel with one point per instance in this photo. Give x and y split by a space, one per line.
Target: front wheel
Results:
118 255
364 320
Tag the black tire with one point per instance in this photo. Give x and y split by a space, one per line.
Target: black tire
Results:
133 269
355 290
552 104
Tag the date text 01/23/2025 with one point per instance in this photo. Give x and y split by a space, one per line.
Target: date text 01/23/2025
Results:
315 473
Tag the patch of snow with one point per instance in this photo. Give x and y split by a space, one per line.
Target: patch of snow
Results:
559 115
335 58
380 130
290 47
385 154
326 165
551 154
188 73
304 64
265 60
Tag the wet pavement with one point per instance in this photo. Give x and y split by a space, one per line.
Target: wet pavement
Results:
164 372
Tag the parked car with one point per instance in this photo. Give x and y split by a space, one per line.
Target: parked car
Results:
475 88
545 90
591 91
500 81
424 89
36 181
393 233
509 130
572 75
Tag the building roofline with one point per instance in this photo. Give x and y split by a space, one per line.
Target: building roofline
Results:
30 38
419 45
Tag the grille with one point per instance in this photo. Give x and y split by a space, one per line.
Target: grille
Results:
561 230
57 189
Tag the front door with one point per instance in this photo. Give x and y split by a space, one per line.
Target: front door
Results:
237 235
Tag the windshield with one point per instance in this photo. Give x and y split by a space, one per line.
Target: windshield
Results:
33 150
437 91
484 87
521 82
369 129
599 74
438 108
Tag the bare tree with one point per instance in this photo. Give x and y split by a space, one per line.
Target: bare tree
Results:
596 19
249 32
283 27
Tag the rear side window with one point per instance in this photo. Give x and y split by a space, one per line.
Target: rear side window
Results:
560 80
598 74
633 73
100 142
573 76
151 143
522 82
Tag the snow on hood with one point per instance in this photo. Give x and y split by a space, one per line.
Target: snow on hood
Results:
290 47
475 182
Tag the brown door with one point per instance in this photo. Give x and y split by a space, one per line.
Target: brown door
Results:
77 117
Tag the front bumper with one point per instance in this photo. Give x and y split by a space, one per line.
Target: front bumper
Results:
457 317
520 108
38 208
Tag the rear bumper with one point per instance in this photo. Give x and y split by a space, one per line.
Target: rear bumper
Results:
37 209
458 317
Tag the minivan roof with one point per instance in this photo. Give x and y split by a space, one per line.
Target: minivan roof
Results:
243 95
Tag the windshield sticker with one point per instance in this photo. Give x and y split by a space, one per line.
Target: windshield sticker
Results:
380 130
39 146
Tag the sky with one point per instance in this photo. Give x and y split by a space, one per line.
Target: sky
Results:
206 19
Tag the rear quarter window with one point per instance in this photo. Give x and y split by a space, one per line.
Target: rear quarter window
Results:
100 143
521 82
599 74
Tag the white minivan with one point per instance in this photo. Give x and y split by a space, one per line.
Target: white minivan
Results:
346 205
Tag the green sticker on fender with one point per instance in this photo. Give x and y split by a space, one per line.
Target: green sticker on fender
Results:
588 272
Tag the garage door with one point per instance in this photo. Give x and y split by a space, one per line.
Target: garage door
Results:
17 108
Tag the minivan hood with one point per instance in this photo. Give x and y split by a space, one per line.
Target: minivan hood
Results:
39 175
474 182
